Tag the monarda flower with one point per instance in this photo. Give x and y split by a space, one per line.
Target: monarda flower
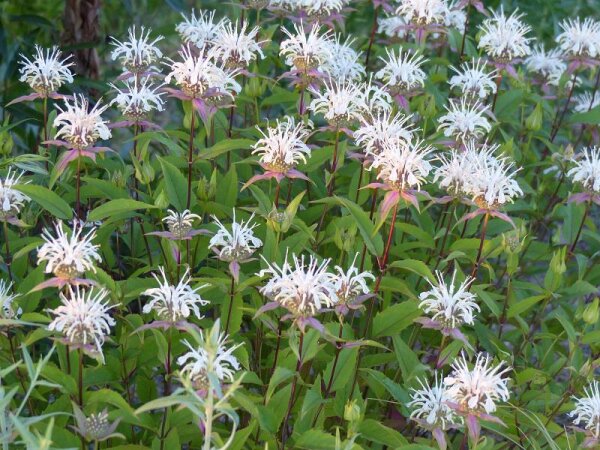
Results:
385 127
580 41
235 246
11 200
325 11
422 12
586 102
343 62
351 286
586 172
200 30
474 392
374 99
548 66
456 172
45 73
304 289
173 304
281 149
7 307
340 103
136 101
464 121
138 53
236 47
448 306
474 80
430 409
83 319
306 52
68 256
402 75
180 225
392 26
587 413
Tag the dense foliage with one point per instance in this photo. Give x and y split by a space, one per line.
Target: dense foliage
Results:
300 224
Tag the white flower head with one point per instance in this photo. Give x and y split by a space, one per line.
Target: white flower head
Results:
585 102
136 100
200 30
351 283
46 72
429 405
477 390
457 170
180 224
343 61
504 38
580 38
138 53
587 169
211 356
236 46
423 12
374 99
473 80
303 288
448 304
340 102
7 309
304 51
80 126
239 243
587 409
174 303
199 75
83 318
385 127
465 121
402 165
11 200
68 256
402 73
321 8
283 146
392 26
547 64
455 17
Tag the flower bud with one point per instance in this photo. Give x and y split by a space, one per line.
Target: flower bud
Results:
591 313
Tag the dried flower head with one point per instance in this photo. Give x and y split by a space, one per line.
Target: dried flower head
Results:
587 169
180 224
174 303
200 30
7 308
429 405
96 427
402 73
239 243
46 72
580 38
340 102
11 200
138 53
504 38
136 100
83 318
78 126
473 80
447 305
236 46
465 121
306 52
68 256
587 410
477 390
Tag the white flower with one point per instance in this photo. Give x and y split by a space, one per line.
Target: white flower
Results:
174 303
429 405
7 310
138 53
343 61
283 146
465 121
304 51
136 100
45 73
239 243
455 17
211 357
11 200
392 26
341 102
78 126
303 289
402 72
180 224
587 409
423 12
457 171
587 169
547 64
478 389
351 283
195 75
83 317
201 30
474 80
321 8
504 38
580 38
586 101
402 165
384 127
448 305
68 256
236 47
374 99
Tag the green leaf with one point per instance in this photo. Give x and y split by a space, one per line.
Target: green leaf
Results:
47 199
416 266
225 146
591 117
375 431
118 206
395 318
315 440
175 185
227 193
523 305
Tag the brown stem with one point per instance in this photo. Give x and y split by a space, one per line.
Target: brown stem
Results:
190 160
559 121
585 214
78 188
8 258
277 191
486 219
284 434
498 83
80 379
231 295
464 37
372 36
